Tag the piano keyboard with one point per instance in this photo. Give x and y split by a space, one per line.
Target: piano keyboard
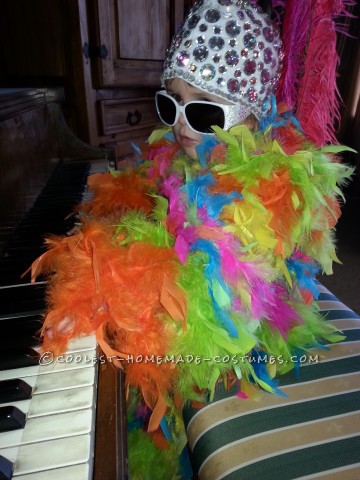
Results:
47 405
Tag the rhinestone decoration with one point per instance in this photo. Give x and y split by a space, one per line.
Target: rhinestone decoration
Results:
250 14
231 57
230 48
252 95
249 40
268 55
227 14
268 34
265 76
207 71
233 85
177 41
249 67
212 15
200 53
193 21
182 58
216 43
232 28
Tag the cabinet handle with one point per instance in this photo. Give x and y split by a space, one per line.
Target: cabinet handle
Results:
129 118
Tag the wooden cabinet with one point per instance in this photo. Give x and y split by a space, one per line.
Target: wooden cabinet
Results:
106 54
133 37
126 45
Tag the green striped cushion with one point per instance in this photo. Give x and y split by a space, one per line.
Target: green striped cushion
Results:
314 432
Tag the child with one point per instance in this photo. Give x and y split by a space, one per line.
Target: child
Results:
204 252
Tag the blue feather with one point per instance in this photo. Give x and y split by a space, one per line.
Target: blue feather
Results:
213 273
274 120
169 136
205 148
165 429
197 191
305 273
258 361
196 188
216 202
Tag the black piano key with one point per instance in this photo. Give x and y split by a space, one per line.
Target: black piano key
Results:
20 343
14 390
23 299
11 418
51 214
19 359
6 468
20 333
22 326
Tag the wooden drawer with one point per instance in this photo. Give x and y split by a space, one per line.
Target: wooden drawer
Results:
128 115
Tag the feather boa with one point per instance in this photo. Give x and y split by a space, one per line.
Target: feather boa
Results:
198 267
308 78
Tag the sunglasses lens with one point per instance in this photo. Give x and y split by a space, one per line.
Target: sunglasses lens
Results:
166 109
202 116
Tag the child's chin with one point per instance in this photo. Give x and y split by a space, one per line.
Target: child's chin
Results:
190 150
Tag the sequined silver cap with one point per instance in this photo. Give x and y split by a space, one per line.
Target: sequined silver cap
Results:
228 48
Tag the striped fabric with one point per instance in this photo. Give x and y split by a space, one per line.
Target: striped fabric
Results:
313 432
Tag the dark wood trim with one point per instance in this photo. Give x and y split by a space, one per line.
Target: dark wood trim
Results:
110 462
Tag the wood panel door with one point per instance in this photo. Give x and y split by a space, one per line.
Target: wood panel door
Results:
133 37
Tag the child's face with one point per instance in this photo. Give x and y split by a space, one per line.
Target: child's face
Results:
183 93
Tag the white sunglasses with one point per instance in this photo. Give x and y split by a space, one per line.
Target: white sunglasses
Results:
199 115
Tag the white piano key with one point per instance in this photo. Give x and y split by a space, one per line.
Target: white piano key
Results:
55 402
49 364
84 377
79 344
40 429
76 472
49 455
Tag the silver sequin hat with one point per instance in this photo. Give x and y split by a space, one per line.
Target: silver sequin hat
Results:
228 48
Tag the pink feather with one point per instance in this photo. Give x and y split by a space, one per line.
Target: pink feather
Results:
295 30
308 79
318 101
